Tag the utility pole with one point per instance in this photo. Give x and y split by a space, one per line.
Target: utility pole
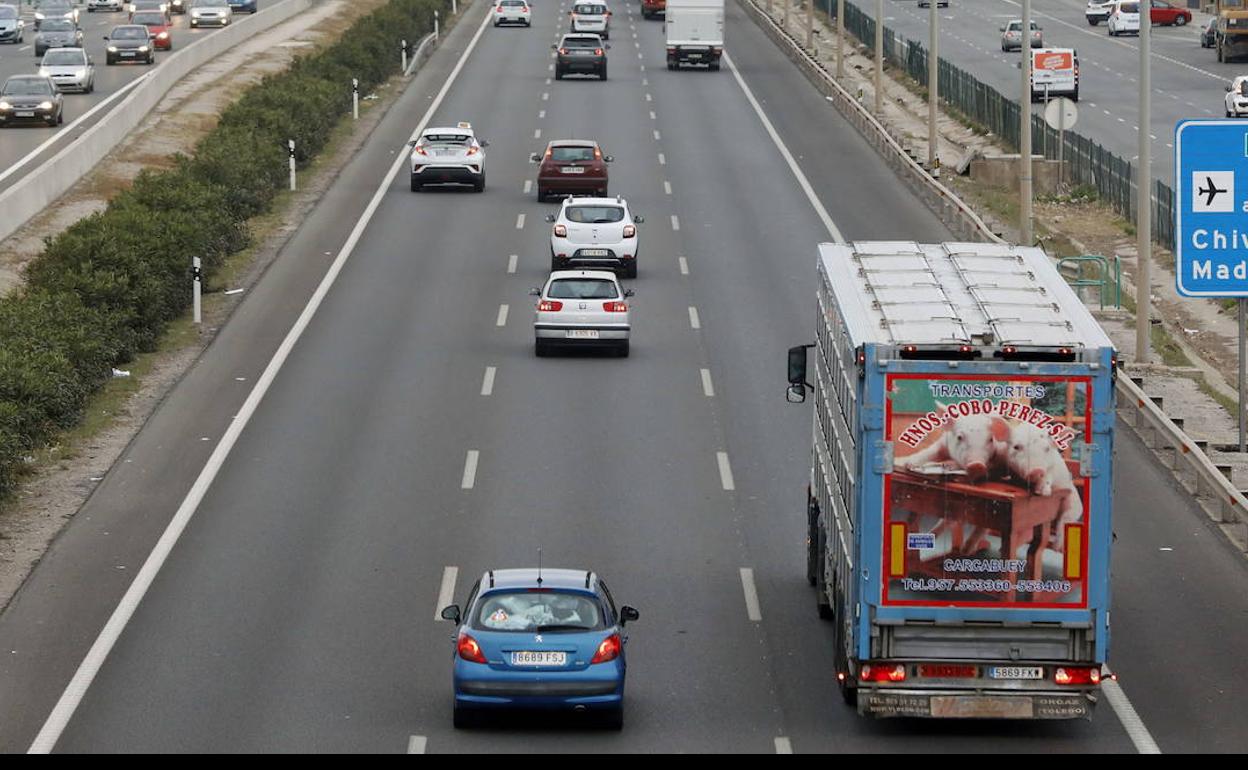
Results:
1144 199
933 82
1024 134
810 24
879 57
840 39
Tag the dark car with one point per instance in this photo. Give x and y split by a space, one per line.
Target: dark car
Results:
244 6
571 167
584 54
130 42
30 98
57 33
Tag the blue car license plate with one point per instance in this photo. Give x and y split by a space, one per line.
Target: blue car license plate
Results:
539 658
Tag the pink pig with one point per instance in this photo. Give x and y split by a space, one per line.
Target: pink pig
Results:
976 443
1032 456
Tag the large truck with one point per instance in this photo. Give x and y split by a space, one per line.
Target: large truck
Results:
958 507
695 32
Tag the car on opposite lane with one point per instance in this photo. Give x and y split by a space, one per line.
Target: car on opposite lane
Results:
244 6
71 69
513 12
105 5
1098 11
129 42
57 33
150 6
571 167
211 12
1124 18
1236 99
595 233
448 156
545 639
1169 15
593 17
582 308
158 26
581 54
31 98
1012 35
55 9
12 28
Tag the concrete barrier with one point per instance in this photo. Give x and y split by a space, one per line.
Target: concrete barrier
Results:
44 184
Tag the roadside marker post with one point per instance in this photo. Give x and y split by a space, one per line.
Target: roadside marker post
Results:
197 282
404 49
290 143
355 98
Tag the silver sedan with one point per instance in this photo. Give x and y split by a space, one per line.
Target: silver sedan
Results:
1012 36
70 68
582 308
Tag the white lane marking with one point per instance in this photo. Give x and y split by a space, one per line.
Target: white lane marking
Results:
657 136
694 321
547 81
751 595
550 67
541 114
649 98
784 745
645 82
641 67
1131 721
639 55
528 186
675 222
512 259
487 382
416 744
520 222
708 389
684 266
545 96
537 133
24 48
653 116
832 229
502 315
470 470
667 187
636 44
662 160
446 592
55 724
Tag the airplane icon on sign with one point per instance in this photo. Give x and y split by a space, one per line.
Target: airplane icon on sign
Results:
1211 191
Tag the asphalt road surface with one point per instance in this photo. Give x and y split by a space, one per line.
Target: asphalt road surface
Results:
297 611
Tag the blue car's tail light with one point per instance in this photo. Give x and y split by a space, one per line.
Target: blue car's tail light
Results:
608 650
469 649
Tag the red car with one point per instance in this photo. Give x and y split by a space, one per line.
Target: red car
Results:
1170 16
652 8
157 26
572 167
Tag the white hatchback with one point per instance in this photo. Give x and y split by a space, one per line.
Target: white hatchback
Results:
1124 18
592 17
1237 97
513 12
582 308
595 232
70 68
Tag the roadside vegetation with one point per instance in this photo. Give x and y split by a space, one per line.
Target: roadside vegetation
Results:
106 289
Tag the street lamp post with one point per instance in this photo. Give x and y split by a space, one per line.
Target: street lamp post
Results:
1024 133
1144 198
879 57
933 83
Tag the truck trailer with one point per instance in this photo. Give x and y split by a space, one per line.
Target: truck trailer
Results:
959 502
695 32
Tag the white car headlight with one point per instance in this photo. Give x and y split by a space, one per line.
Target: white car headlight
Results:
5 106
39 15
142 49
80 73
162 36
112 49
45 105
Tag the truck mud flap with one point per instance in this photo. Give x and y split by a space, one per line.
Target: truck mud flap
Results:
946 705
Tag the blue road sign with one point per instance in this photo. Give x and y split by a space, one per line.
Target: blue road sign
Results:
1211 208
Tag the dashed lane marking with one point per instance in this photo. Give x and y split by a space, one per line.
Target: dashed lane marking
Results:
520 222
514 258
502 315
684 266
694 321
416 744
662 160
528 187
667 187
470 469
784 745
487 382
708 388
751 593
675 222
446 592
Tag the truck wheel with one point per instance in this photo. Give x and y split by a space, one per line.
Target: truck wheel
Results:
821 580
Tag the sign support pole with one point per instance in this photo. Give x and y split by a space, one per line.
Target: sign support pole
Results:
1024 134
1144 201
1243 334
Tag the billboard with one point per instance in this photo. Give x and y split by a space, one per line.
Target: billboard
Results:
985 505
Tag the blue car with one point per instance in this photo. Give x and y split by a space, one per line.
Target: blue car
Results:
239 6
540 639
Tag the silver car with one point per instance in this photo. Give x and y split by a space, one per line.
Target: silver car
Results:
70 68
592 17
12 28
105 5
1012 36
582 308
215 12
57 33
596 233
448 156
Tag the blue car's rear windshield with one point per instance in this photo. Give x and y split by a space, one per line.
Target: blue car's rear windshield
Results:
541 611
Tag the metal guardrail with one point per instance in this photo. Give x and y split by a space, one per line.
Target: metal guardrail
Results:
1104 285
944 202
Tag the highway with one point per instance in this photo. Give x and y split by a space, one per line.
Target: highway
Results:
297 610
1187 80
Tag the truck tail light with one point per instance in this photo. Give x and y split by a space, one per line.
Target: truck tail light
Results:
882 672
716 50
1072 567
1077 675
630 231
671 50
607 651
561 231
549 306
615 307
468 649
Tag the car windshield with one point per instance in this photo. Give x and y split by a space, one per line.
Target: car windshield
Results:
57 25
582 288
59 6
1015 26
581 42
8 12
513 3
1129 8
149 17
1237 23
595 215
537 611
589 9
444 139
129 33
60 57
209 3
1242 87
571 154
27 87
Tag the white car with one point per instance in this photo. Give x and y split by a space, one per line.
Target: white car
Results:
70 68
1124 18
592 17
513 12
448 156
104 5
582 308
1237 97
216 12
595 232
1098 11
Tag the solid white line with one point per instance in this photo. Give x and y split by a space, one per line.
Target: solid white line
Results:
537 133
662 160
528 186
684 266
707 388
416 744
446 593
751 595
1131 721
675 222
693 318
725 472
667 187
487 382
784 745
513 258
55 724
788 157
502 315
470 470
520 222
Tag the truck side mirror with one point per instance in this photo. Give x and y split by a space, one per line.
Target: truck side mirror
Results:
451 612
796 393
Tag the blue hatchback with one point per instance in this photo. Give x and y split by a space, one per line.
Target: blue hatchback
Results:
549 639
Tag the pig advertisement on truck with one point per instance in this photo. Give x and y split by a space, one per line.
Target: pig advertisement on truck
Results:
960 493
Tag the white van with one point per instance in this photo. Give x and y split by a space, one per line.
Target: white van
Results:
1054 72
1124 18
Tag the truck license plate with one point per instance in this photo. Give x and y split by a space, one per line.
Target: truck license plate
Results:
1015 672
539 658
982 706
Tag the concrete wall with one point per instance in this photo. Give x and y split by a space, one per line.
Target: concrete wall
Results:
1002 171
